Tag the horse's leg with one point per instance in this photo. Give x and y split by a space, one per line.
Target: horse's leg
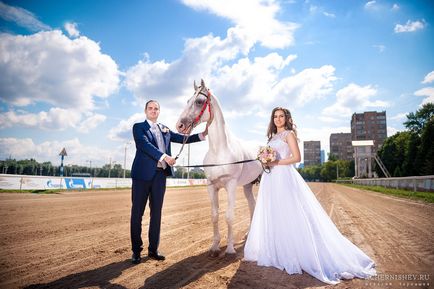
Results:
213 195
248 192
231 187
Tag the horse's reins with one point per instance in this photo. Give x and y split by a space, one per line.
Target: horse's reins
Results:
217 165
197 118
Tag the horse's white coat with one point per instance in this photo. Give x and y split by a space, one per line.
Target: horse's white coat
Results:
223 148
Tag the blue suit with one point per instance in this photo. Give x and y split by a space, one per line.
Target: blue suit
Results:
149 181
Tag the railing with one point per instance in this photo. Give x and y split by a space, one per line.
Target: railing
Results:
24 182
416 183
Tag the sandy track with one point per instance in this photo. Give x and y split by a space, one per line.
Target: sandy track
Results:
81 240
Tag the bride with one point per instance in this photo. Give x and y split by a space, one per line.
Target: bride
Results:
290 230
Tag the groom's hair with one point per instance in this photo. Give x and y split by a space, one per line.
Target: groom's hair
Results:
149 101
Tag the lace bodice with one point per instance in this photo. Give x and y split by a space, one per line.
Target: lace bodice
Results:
278 143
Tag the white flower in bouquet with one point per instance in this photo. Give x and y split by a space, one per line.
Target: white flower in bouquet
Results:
266 155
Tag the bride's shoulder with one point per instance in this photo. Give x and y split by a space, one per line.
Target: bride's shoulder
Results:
285 133
288 133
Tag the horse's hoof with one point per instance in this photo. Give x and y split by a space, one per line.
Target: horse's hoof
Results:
231 255
214 254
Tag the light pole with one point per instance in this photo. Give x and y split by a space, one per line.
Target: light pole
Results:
62 155
188 163
337 171
110 167
125 156
90 166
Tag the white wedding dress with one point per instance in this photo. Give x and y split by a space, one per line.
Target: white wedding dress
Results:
291 231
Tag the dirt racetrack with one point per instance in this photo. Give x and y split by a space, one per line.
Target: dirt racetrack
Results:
81 240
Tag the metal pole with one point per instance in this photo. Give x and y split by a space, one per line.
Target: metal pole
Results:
337 171
110 167
188 162
61 165
125 159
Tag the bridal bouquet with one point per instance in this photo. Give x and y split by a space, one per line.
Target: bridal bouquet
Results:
266 154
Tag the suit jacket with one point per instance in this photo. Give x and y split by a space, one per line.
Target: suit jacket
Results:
147 152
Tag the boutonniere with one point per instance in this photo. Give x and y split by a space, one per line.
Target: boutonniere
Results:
164 129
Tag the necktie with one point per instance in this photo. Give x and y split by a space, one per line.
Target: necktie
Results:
157 133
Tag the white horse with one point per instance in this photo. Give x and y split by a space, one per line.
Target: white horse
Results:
223 148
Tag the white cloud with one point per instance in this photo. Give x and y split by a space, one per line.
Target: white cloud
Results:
400 116
308 85
173 80
410 26
331 15
48 67
313 8
395 7
71 28
391 131
66 76
91 122
321 134
380 47
254 18
429 77
250 81
22 17
123 131
428 92
78 153
53 119
370 4
353 98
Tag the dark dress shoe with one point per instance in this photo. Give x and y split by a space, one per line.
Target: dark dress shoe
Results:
156 256
135 259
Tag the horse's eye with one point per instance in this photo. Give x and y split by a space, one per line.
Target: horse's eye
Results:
199 101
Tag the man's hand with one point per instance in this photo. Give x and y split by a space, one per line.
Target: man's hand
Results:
170 161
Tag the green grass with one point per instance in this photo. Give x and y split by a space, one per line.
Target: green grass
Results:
424 196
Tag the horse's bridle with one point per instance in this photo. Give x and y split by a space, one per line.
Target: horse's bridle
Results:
197 118
207 103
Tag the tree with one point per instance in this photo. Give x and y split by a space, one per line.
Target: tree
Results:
416 121
328 171
426 149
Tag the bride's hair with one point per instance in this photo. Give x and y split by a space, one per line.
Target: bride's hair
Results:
289 123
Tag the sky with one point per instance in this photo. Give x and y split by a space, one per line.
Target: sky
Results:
76 74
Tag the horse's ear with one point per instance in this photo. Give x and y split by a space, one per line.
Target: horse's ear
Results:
202 83
194 85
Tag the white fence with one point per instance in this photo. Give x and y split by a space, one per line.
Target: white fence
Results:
23 182
416 184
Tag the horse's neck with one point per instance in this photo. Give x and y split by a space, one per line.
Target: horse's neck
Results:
217 134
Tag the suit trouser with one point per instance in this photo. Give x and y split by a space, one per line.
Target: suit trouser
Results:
141 191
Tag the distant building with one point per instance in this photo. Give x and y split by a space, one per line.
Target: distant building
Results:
370 125
322 156
340 146
312 153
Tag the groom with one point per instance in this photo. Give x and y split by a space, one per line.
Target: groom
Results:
151 165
